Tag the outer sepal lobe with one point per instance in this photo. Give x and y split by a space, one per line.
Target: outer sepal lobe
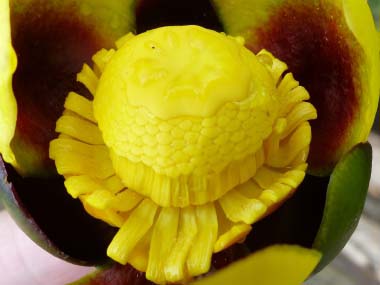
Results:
346 195
52 40
332 48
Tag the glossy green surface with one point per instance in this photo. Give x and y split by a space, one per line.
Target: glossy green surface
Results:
346 194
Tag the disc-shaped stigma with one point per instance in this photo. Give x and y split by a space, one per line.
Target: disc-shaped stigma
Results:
189 140
175 107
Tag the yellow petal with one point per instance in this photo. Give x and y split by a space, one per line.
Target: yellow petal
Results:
275 265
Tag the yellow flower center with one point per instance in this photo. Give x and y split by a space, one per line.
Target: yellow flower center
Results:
182 124
190 139
174 72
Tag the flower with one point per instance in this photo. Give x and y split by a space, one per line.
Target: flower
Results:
108 170
182 182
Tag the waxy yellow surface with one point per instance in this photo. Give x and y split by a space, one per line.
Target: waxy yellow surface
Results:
275 265
8 107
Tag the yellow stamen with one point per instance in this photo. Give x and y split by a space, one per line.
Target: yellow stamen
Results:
175 267
108 216
165 229
125 201
235 234
139 256
89 79
74 158
241 209
199 260
101 59
79 185
99 199
298 140
80 105
120 42
132 231
80 129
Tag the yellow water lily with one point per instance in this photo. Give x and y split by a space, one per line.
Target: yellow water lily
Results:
192 154
182 140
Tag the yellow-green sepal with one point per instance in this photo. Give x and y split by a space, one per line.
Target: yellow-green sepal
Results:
274 265
109 18
336 59
52 40
345 200
8 106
